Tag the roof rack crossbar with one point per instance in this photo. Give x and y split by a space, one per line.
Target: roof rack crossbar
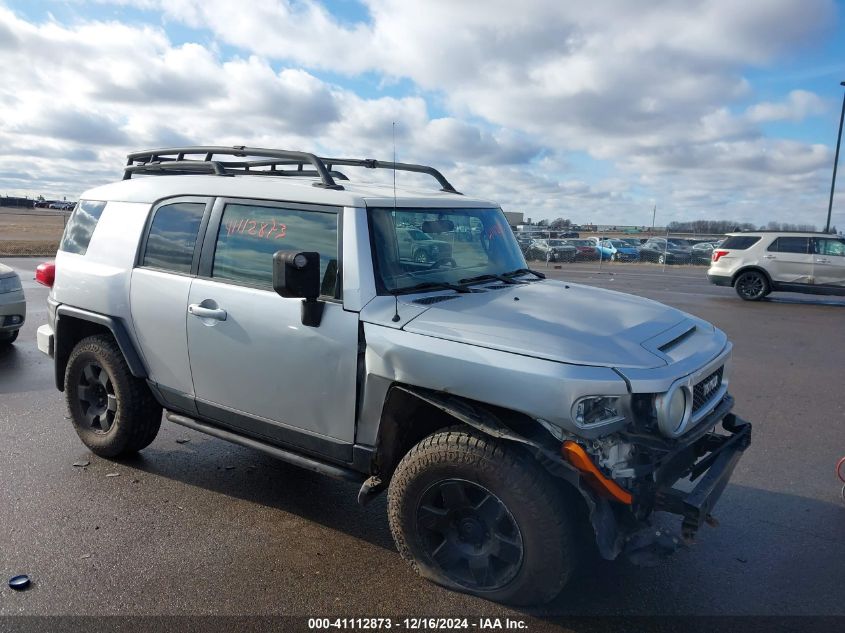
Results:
147 156
142 162
181 167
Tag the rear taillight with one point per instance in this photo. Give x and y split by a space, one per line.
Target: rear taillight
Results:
45 274
717 255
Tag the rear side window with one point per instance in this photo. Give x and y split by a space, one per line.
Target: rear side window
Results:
739 242
172 236
80 226
799 245
249 235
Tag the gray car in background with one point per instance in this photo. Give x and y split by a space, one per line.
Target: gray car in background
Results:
12 305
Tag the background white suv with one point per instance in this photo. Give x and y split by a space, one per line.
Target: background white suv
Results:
762 262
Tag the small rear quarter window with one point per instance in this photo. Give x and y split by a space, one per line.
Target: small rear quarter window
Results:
739 242
80 226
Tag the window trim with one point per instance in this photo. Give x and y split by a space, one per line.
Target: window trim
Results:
145 234
209 242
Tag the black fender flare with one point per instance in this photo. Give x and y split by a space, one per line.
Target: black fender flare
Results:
118 330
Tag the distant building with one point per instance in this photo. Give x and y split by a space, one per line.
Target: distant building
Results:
11 201
514 218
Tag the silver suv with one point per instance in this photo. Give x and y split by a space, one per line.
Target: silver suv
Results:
263 298
758 263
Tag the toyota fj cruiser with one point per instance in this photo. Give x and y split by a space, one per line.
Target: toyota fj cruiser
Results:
261 297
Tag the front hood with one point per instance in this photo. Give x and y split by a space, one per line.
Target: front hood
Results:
557 321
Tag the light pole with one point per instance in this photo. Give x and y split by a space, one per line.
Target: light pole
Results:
835 164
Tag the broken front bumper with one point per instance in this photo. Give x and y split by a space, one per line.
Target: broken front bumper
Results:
704 459
709 461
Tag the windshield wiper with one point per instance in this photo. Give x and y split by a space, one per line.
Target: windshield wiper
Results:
432 285
490 277
524 271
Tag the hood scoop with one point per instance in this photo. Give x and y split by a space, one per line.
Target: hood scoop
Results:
668 345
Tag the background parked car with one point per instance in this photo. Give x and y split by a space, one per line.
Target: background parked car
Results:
702 252
663 251
421 248
12 305
552 251
586 250
617 250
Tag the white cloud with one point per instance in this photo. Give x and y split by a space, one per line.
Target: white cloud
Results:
649 90
798 105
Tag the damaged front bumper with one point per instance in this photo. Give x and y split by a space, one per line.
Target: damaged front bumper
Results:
713 459
706 459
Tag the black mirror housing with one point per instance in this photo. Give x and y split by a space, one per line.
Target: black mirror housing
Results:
297 275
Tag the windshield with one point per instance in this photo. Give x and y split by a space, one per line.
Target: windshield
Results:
558 243
619 244
457 244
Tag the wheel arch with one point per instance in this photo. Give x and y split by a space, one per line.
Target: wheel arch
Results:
74 324
412 413
399 431
752 268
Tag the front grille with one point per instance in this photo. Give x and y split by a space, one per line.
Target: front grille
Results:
705 389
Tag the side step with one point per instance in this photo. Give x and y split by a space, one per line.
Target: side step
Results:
309 463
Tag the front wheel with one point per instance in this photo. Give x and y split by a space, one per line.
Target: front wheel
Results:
421 257
477 515
661 259
113 413
752 286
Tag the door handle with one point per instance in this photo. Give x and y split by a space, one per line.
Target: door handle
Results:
769 257
207 313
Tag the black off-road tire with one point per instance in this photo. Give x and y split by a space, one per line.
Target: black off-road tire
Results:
543 512
133 417
752 286
7 338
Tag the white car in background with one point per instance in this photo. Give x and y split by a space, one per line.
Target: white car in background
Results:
761 262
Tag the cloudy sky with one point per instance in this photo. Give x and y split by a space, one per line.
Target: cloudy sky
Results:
593 110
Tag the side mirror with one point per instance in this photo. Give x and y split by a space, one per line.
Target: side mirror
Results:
297 275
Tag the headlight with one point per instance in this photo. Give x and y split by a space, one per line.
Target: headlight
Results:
594 410
673 411
10 284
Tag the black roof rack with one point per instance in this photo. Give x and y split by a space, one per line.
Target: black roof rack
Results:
178 160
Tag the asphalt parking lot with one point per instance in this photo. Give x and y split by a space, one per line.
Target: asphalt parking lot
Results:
208 528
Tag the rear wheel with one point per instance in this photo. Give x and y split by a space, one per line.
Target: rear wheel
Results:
752 285
113 412
661 259
479 516
421 257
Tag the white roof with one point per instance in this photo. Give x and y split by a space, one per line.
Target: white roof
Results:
288 188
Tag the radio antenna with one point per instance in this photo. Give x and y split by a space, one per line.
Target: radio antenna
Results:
396 316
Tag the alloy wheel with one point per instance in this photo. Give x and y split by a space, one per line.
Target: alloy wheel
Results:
97 399
470 534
